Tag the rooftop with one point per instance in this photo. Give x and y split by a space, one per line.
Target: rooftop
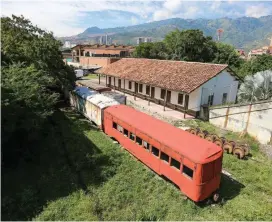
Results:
173 75
98 46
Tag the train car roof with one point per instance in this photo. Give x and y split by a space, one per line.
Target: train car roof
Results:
84 92
190 146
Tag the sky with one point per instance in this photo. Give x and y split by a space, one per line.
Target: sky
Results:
66 18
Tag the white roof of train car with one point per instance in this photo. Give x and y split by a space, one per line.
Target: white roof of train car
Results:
102 101
95 98
84 92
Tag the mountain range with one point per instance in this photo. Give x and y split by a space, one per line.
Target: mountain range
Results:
245 32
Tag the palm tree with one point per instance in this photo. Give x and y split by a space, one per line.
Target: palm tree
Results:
256 87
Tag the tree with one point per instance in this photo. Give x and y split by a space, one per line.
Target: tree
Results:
34 77
256 87
260 63
190 45
150 50
226 54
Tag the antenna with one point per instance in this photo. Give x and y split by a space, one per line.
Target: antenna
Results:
219 34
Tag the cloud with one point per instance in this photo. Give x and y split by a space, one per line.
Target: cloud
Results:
257 11
67 18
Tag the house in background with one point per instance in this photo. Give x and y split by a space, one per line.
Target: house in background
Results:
184 86
99 55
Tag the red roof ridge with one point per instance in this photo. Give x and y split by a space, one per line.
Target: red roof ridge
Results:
165 60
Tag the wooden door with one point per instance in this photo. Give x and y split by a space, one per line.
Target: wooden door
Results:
168 97
186 101
152 92
136 87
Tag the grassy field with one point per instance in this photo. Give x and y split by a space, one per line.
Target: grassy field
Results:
80 174
91 76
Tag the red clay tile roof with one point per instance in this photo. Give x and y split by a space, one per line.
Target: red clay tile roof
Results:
172 75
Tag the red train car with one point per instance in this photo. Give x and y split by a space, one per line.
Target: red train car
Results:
190 162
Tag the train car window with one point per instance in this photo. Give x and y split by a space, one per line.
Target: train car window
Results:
139 140
146 145
164 157
120 128
187 171
132 136
175 163
114 125
126 132
155 151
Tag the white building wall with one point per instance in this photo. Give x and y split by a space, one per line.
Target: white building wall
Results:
158 93
222 83
194 100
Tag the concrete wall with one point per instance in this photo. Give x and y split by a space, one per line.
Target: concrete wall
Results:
259 124
100 61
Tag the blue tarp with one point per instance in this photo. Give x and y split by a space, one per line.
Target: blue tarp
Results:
84 92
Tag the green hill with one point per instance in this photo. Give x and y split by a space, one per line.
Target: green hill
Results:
245 32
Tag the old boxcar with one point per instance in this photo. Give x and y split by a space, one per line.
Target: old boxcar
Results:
190 162
91 104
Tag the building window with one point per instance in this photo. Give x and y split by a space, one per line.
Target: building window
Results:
164 157
114 125
120 128
126 132
174 163
180 98
132 136
129 85
119 83
163 91
140 88
187 171
155 151
139 140
210 100
146 145
224 98
147 90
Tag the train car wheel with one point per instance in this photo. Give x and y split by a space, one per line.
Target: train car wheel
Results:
218 142
206 133
239 152
232 143
216 197
193 131
246 149
209 138
228 147
188 130
223 139
215 137
201 135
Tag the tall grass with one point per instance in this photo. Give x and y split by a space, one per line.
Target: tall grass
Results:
82 175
